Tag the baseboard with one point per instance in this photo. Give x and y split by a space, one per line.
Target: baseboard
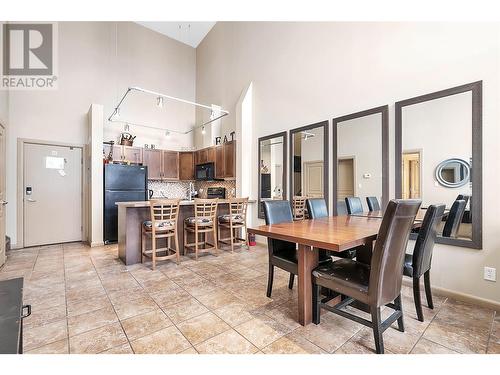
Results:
483 302
95 244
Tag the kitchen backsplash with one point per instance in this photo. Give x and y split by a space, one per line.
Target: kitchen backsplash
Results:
178 189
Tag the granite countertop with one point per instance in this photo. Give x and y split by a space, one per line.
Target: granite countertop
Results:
138 204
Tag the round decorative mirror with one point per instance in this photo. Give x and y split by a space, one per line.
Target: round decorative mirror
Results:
453 173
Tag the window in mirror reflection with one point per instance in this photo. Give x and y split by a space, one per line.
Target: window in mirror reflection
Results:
271 169
359 158
308 163
437 150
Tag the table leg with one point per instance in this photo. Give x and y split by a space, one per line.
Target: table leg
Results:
308 260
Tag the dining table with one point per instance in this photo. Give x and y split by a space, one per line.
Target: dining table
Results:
333 233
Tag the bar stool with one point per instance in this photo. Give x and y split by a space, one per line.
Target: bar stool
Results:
163 224
299 207
203 222
234 221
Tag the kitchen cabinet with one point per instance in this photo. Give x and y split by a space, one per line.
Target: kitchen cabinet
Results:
219 162
170 165
230 159
123 154
153 160
186 166
205 155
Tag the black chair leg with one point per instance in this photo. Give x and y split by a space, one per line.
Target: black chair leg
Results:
377 329
428 292
270 278
416 297
290 282
399 305
316 300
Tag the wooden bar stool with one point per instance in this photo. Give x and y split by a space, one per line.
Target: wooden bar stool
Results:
163 224
203 222
235 221
299 207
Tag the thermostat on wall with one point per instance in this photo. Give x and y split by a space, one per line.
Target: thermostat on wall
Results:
367 175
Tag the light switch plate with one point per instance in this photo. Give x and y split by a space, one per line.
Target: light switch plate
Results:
490 273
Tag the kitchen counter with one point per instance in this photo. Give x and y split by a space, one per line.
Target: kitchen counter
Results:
131 215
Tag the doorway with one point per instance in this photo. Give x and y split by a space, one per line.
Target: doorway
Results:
411 175
313 179
3 202
52 194
345 178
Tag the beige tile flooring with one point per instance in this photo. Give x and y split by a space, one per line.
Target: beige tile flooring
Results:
86 301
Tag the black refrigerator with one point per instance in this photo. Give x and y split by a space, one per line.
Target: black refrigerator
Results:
122 183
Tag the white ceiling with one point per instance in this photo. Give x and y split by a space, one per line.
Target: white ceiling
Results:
190 33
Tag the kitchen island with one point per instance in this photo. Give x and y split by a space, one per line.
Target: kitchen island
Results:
131 215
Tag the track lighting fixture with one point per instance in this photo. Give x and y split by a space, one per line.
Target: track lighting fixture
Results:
167 134
203 130
126 127
159 102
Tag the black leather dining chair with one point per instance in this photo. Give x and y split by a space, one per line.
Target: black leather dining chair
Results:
354 205
454 219
317 209
282 254
373 204
419 263
377 284
341 208
467 218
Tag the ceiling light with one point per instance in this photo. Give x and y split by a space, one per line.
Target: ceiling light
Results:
167 134
159 102
117 111
126 127
203 130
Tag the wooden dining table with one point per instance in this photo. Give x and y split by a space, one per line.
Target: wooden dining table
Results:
334 233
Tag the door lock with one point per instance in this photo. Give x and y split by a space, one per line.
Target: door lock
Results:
3 203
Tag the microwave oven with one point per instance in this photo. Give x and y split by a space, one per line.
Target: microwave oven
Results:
205 172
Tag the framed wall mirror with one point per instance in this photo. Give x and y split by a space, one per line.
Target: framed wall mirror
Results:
309 161
361 157
272 169
439 156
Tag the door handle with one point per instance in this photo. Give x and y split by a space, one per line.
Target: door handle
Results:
3 203
31 200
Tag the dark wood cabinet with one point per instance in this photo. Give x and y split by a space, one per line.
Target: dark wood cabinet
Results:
116 153
219 162
134 155
170 165
230 159
210 155
153 160
186 165
205 155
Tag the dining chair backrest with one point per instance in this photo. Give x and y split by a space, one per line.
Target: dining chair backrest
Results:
354 205
373 204
299 207
341 208
422 252
238 208
454 219
317 208
277 211
205 209
386 270
164 210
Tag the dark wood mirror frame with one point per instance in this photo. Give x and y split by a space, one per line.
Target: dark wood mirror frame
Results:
326 185
476 88
260 213
384 111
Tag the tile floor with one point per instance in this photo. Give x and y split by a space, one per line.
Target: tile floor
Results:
86 301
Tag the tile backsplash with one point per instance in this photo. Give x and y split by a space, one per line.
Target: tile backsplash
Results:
179 189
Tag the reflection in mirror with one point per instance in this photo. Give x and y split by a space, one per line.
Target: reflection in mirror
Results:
272 168
436 145
361 158
309 161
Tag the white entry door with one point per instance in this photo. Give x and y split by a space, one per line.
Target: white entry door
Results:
3 202
52 194
313 179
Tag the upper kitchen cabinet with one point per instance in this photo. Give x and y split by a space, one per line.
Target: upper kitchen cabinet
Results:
153 160
170 165
230 159
219 162
206 155
186 165
123 154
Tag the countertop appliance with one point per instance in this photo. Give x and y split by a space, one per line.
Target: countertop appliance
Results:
122 183
216 192
205 172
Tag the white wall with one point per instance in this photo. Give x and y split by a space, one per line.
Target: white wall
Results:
308 72
97 62
449 121
361 138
